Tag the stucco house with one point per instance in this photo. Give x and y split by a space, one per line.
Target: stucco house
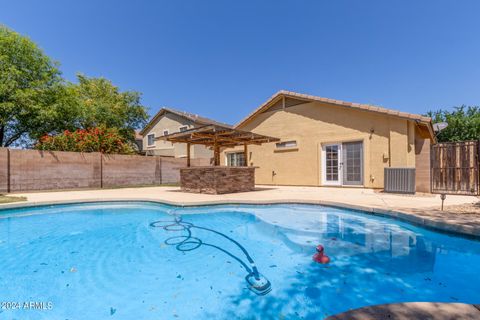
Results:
326 142
138 141
168 121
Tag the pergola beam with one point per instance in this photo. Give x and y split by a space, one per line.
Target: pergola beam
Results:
198 136
208 138
217 137
222 143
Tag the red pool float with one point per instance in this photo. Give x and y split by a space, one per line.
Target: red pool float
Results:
320 257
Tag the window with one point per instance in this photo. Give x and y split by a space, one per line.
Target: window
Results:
183 128
236 159
151 139
286 144
165 132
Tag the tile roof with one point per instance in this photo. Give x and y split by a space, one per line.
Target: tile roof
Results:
357 106
186 115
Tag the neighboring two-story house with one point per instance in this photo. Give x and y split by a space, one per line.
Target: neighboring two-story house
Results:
168 121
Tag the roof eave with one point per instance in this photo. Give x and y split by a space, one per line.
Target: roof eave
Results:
164 110
355 106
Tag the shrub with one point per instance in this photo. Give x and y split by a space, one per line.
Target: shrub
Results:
105 140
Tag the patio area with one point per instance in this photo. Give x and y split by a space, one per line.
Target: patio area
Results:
413 310
418 209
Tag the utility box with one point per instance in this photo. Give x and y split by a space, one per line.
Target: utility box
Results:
399 180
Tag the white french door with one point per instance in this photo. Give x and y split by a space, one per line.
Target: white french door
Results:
332 164
342 164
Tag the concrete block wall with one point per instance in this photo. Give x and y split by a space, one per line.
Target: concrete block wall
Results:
47 170
171 168
30 170
126 170
3 170
171 172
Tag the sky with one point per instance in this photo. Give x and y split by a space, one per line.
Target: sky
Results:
223 58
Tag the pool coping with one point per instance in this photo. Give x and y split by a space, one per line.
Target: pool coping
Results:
409 217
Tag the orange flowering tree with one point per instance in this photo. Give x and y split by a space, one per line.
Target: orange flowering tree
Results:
106 140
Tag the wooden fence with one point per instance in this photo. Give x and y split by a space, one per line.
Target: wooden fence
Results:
455 167
28 170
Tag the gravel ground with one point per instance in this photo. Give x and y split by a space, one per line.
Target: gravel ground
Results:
472 208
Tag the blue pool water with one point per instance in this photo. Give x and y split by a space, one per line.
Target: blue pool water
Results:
150 261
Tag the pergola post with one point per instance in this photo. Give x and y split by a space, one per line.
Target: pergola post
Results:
188 154
216 152
245 154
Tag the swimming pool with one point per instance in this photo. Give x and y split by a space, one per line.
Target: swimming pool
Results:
138 260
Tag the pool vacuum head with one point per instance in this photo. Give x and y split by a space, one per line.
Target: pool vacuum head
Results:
259 285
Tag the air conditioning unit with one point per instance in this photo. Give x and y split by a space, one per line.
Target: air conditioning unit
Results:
399 180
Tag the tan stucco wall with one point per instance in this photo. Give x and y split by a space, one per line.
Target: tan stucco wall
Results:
201 152
422 160
172 123
388 141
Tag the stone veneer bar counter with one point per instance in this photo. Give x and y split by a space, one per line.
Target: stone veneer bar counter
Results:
217 179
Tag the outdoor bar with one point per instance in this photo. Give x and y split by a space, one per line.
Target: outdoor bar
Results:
217 179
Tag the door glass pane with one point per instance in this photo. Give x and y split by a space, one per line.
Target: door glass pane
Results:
331 153
353 163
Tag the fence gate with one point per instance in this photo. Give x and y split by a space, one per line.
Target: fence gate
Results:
455 167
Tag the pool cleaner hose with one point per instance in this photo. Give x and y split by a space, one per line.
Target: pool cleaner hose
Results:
257 283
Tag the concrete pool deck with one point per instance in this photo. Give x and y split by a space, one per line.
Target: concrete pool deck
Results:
423 209
413 310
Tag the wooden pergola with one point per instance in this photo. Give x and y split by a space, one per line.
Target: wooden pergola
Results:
216 137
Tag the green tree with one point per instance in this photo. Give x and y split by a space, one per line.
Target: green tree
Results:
463 123
30 87
96 102
35 100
